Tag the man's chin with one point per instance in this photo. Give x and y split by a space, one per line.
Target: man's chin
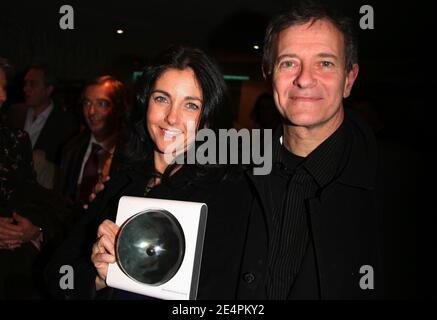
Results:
302 119
97 132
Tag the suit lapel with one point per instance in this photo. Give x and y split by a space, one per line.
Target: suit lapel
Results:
76 159
50 128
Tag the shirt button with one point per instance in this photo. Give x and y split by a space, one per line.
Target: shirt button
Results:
249 277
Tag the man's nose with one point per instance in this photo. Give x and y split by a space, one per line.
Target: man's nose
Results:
305 78
91 109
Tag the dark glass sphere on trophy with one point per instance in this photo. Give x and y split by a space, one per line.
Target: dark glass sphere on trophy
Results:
150 247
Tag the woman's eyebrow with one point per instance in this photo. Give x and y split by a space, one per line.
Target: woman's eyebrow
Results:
193 98
169 96
162 92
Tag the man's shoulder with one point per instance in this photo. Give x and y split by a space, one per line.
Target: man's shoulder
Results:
358 126
65 123
397 159
81 138
63 115
395 147
77 142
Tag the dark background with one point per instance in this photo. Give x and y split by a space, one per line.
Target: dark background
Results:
390 81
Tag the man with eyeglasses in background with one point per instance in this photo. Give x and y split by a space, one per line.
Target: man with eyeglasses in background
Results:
87 159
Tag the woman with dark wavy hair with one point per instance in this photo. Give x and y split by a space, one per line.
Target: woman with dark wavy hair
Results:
214 111
182 91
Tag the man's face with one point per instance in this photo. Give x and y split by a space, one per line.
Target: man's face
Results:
309 77
98 110
36 93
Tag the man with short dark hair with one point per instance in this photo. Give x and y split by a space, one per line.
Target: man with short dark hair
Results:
49 127
316 232
32 218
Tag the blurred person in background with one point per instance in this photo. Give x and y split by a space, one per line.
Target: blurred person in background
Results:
49 127
89 157
30 215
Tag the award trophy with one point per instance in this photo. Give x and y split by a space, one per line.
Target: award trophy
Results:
158 248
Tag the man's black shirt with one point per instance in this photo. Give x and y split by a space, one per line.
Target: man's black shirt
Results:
295 180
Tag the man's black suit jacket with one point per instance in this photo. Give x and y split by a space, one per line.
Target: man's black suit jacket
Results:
60 127
71 163
364 217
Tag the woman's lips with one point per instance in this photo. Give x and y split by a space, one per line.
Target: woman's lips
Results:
170 132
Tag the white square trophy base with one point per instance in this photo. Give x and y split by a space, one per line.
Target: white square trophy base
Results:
192 218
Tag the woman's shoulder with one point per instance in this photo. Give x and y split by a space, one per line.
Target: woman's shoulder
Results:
215 175
129 182
236 177
232 186
122 182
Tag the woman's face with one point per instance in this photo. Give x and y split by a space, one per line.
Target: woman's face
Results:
2 87
174 110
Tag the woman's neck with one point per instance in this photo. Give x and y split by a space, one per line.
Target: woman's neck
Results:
161 163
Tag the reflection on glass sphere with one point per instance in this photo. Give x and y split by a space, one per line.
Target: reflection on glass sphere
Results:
150 247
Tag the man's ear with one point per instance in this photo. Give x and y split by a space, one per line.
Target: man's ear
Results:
264 73
267 78
350 79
